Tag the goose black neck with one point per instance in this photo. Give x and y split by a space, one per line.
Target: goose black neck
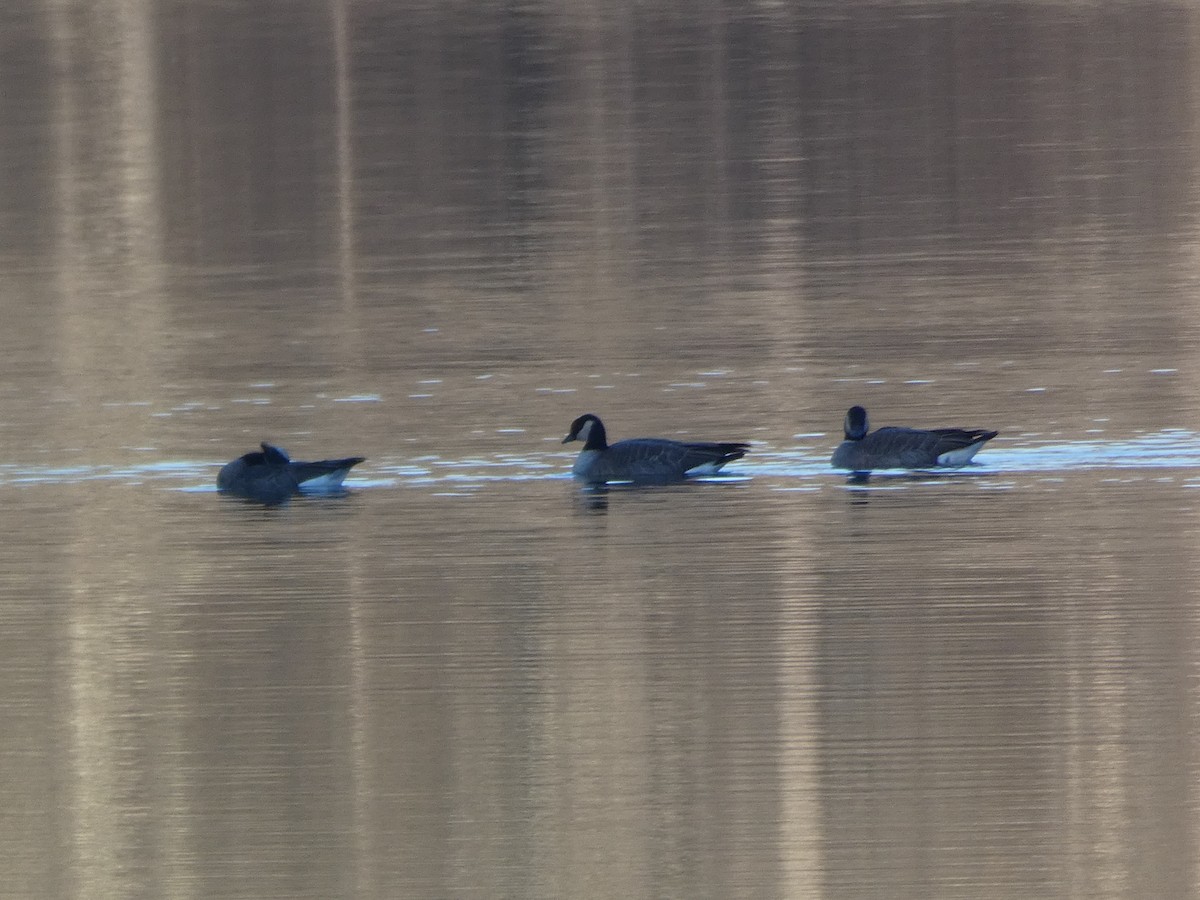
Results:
596 439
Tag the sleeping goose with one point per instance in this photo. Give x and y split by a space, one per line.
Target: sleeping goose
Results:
644 459
268 476
905 448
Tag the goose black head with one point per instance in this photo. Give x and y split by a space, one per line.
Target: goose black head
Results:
856 425
274 455
589 429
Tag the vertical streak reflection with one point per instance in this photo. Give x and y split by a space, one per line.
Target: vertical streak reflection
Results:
344 112
361 776
108 263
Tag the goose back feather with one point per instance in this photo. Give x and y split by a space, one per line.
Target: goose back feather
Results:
269 476
905 448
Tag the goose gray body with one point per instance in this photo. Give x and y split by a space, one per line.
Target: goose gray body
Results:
905 448
644 459
268 476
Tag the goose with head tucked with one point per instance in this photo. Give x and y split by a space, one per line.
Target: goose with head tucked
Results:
644 459
905 448
270 477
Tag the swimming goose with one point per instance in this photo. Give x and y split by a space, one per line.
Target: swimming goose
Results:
268 476
644 459
905 448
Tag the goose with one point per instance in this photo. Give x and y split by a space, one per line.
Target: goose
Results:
270 477
644 459
905 448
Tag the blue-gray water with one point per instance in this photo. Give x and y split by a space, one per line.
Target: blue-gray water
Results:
432 235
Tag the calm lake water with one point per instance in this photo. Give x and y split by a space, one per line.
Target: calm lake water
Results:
432 235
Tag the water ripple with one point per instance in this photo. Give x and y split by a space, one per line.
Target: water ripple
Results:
1169 449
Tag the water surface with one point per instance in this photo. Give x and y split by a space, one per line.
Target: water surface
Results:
432 236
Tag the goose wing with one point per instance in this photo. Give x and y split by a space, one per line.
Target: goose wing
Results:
916 448
695 455
662 458
957 438
330 471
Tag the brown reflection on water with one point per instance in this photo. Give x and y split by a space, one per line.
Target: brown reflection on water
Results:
108 252
1003 701
227 222
542 697
108 284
